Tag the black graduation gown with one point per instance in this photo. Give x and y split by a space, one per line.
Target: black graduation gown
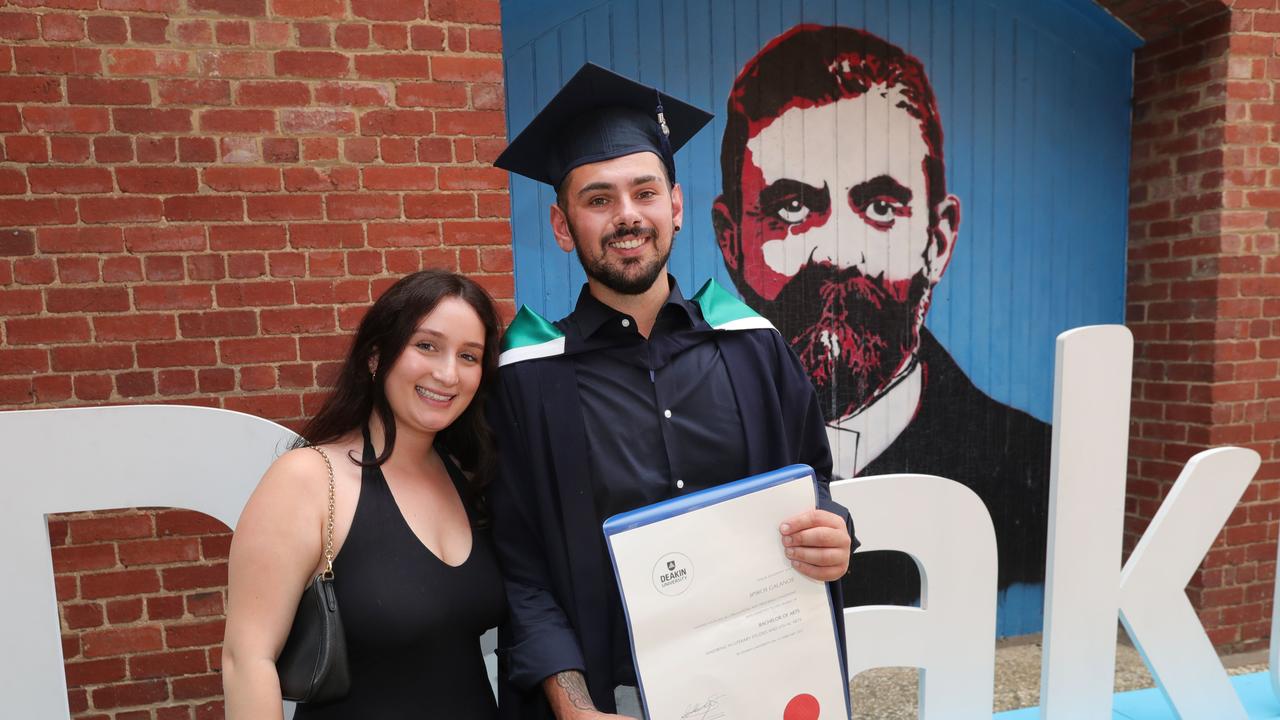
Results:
549 542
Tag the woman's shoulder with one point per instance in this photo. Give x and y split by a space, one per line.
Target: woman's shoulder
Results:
302 468
298 464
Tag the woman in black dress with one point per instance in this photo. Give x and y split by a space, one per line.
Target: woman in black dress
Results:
415 576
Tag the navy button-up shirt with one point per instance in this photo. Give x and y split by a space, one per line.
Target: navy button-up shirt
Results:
660 415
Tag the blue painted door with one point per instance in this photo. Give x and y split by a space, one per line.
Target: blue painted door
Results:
921 194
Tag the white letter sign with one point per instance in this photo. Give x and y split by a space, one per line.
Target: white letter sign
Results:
210 460
1084 586
95 459
1086 521
947 530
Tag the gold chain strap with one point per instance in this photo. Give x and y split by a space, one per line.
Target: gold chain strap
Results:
328 540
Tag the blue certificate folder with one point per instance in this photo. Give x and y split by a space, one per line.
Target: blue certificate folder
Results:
692 502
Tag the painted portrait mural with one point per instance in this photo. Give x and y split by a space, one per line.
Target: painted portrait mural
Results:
836 224
918 194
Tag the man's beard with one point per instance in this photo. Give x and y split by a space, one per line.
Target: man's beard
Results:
853 333
641 278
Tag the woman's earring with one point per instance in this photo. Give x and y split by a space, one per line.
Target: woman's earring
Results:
677 228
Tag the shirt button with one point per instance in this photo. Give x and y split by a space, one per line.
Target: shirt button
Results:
626 322
666 413
679 483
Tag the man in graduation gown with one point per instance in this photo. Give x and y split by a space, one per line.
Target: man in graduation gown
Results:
639 395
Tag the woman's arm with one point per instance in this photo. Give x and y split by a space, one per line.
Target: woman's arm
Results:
275 552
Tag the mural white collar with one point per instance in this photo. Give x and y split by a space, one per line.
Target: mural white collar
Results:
531 336
859 439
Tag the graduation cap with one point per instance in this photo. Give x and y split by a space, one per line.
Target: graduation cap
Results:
600 115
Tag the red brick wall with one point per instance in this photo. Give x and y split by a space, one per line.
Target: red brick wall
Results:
1203 294
141 600
198 199
1238 577
1174 240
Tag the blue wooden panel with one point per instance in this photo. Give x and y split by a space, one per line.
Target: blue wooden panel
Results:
1034 101
818 12
625 39
597 33
998 259
699 166
526 241
876 20
1021 254
1035 355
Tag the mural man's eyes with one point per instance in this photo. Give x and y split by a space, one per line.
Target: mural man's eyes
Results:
882 212
793 212
793 202
880 201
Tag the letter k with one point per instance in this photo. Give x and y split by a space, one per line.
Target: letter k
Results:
1085 588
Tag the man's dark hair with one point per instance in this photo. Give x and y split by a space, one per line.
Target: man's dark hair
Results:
813 65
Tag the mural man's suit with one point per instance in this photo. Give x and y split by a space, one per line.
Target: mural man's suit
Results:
835 224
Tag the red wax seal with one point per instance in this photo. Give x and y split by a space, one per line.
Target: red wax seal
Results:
802 707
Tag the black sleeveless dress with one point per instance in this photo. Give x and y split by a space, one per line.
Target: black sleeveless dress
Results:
412 622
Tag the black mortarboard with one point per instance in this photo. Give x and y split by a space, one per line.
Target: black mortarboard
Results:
600 115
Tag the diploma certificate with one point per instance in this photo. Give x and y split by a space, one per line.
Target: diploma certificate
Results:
722 627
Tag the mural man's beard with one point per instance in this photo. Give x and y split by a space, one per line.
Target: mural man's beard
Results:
853 333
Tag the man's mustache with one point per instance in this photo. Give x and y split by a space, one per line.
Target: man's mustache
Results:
650 233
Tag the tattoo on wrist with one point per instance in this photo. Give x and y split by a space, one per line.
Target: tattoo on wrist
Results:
575 689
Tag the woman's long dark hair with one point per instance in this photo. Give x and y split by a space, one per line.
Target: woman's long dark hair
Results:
383 334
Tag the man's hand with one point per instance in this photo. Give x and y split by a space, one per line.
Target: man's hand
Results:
817 543
567 693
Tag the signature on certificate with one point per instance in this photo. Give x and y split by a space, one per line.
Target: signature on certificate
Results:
708 709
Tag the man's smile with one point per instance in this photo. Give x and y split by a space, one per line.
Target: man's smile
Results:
628 243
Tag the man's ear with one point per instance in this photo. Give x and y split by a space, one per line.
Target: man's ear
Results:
677 205
560 228
942 238
726 229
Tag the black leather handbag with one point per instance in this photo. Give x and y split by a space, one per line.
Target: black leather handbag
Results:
313 664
